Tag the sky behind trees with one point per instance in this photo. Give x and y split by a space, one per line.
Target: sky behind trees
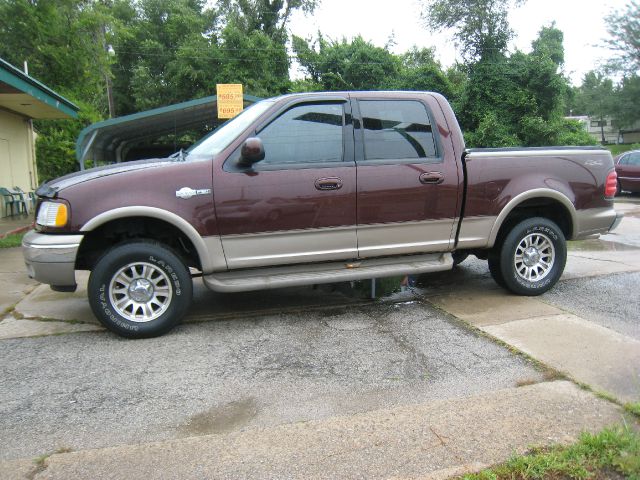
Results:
581 21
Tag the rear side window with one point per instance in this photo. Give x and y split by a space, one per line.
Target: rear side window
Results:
633 159
308 133
396 130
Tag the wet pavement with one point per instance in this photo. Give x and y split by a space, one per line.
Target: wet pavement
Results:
434 440
15 285
612 301
88 390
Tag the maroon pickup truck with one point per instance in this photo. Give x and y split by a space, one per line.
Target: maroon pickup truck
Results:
315 188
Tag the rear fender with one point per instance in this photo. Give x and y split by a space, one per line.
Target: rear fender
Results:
528 195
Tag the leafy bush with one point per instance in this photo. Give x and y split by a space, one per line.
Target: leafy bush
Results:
56 143
491 132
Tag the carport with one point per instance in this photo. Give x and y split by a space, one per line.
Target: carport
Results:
111 141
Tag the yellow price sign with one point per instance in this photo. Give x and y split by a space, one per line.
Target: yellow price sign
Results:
229 99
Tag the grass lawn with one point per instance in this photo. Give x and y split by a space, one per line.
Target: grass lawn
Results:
611 454
618 149
9 241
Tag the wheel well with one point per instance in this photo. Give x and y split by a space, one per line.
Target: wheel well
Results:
538 207
97 241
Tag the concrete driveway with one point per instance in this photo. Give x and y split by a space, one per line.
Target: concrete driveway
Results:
314 383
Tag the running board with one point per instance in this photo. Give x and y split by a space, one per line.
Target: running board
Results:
310 274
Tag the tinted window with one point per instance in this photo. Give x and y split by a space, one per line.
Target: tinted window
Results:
309 133
633 159
396 130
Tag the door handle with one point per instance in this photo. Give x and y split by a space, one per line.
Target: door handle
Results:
329 183
431 178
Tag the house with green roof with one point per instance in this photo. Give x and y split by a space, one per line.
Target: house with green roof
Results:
23 99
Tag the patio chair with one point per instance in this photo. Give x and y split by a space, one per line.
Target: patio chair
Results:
24 199
9 200
20 201
33 198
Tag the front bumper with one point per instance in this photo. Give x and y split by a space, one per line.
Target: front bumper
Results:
51 258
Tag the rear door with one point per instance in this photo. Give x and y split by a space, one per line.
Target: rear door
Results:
297 205
628 170
407 184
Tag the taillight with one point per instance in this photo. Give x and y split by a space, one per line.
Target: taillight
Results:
611 185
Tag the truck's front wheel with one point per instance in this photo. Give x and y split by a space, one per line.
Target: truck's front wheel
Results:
532 256
140 289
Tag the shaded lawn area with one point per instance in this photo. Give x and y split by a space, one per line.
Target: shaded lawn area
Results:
13 240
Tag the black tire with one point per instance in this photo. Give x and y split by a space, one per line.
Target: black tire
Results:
493 259
140 289
459 257
542 243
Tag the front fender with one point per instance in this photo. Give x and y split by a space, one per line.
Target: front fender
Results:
209 248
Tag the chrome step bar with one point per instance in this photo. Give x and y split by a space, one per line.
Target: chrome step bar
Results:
310 274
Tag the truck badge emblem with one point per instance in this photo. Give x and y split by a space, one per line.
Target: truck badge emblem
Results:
186 192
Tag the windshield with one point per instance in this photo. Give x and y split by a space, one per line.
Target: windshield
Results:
216 141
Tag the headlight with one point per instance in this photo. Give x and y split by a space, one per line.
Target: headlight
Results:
52 214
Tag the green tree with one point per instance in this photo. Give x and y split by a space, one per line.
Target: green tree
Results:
624 40
255 60
549 44
505 100
595 98
421 71
521 98
481 27
347 65
62 42
255 42
268 16
165 52
624 32
626 101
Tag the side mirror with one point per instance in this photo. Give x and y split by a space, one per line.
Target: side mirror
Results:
252 151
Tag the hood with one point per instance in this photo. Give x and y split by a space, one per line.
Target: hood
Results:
53 187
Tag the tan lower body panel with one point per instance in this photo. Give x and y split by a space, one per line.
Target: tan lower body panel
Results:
287 247
593 221
337 243
404 238
475 231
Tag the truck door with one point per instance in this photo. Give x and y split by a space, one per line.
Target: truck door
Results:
408 180
297 205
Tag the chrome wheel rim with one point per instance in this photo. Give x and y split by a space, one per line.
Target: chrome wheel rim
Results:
534 257
140 292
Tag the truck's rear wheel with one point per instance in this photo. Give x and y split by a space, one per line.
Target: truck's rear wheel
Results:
140 289
532 256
